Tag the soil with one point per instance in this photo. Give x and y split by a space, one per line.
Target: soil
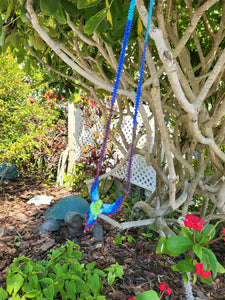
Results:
143 268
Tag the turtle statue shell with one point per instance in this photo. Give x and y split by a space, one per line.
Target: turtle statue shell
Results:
69 211
70 203
11 172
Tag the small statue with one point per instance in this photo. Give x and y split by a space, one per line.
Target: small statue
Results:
69 211
9 172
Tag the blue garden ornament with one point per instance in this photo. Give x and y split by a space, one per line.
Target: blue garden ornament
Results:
97 206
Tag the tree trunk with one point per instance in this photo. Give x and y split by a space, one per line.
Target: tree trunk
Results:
72 152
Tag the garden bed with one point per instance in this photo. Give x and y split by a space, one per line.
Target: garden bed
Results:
143 268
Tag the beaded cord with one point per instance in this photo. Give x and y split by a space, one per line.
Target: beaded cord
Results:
97 206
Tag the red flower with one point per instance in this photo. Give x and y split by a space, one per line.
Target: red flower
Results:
168 291
131 299
199 268
191 222
164 287
223 230
206 274
199 271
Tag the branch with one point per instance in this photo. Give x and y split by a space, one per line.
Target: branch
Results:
127 225
98 82
209 82
191 27
73 78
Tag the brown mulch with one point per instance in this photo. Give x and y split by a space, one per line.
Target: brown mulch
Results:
143 268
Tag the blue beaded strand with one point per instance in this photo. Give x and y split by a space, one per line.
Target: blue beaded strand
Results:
117 80
108 209
138 98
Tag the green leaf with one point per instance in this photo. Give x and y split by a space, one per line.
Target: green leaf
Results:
87 3
49 292
49 7
0 24
220 268
178 244
185 277
109 15
14 39
139 26
197 235
197 250
148 295
9 9
14 283
205 280
110 278
212 260
175 268
3 5
60 16
23 15
47 281
185 266
94 21
37 42
187 233
206 231
29 267
32 294
69 7
2 36
91 265
205 239
70 289
3 294
94 284
194 278
33 280
161 246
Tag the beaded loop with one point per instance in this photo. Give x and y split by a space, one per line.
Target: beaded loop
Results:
109 209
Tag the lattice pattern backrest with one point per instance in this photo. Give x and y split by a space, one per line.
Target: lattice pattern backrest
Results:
142 175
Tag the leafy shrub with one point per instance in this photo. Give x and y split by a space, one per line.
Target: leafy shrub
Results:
86 167
61 277
31 130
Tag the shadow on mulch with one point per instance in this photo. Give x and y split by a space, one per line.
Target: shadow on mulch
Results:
143 268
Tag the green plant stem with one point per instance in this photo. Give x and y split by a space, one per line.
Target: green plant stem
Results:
194 236
163 292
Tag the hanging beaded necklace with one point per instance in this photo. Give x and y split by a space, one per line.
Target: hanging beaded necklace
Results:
97 206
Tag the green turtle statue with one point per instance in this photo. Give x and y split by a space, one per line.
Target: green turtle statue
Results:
69 211
9 172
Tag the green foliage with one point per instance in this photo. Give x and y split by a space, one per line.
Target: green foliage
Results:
60 276
82 172
94 21
18 243
196 242
148 295
85 169
114 271
29 128
106 18
151 233
119 239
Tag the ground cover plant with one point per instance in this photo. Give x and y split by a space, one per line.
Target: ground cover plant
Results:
61 275
143 269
